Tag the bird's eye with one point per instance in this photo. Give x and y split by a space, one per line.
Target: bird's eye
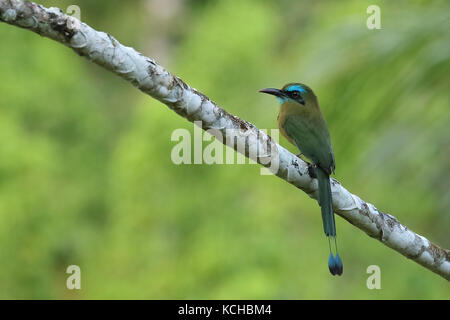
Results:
295 94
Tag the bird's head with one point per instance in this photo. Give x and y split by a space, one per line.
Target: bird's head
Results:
293 92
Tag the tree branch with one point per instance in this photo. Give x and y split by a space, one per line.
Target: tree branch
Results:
145 74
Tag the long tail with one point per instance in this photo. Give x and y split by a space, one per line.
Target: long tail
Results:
329 226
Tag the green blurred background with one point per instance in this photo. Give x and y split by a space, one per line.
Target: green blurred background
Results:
86 176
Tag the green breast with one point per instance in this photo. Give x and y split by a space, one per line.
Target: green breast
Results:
305 127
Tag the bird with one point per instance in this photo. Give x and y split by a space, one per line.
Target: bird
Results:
302 123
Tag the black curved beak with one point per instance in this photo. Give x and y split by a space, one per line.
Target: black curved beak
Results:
272 91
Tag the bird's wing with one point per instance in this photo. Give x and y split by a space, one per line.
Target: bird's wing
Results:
312 138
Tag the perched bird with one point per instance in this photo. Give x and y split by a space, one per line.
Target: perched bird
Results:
302 123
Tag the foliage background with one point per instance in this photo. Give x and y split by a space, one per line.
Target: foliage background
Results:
86 176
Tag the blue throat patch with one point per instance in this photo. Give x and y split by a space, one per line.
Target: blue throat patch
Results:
282 100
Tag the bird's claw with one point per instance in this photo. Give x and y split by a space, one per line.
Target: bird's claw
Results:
311 170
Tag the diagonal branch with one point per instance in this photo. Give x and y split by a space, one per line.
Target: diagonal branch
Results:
152 79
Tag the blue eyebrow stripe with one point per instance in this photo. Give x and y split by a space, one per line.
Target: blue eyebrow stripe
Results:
296 87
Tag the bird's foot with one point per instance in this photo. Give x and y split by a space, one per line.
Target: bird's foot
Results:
311 170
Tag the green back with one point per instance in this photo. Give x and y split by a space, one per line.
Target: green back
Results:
312 138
